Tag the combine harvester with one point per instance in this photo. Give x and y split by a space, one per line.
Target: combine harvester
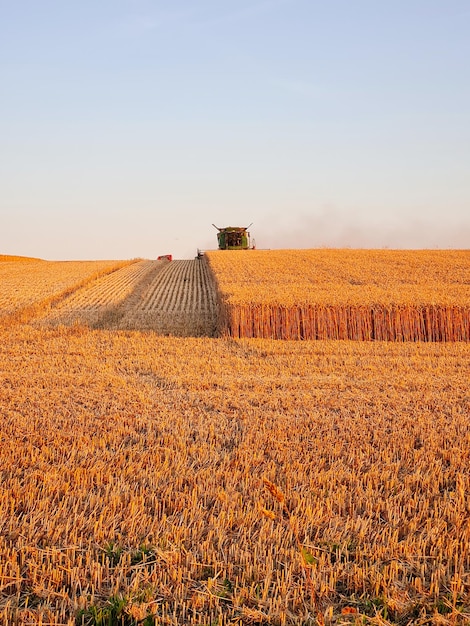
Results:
232 238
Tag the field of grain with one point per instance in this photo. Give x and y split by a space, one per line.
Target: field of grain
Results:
384 295
397 295
171 298
132 471
180 300
13 257
148 479
34 283
96 302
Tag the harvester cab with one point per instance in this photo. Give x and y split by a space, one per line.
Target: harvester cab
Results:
234 238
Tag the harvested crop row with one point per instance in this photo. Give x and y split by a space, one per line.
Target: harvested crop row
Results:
183 286
29 290
25 283
344 294
89 304
176 298
181 300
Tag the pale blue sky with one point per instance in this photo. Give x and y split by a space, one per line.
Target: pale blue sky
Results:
127 127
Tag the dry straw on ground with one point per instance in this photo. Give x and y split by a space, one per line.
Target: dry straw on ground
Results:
29 289
179 300
193 481
176 298
132 476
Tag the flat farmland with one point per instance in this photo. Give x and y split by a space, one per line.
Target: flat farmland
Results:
171 298
385 295
91 304
26 282
390 295
150 475
133 472
179 300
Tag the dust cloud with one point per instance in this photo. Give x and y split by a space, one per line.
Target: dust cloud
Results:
332 229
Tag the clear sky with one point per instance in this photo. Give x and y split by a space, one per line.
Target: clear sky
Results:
128 127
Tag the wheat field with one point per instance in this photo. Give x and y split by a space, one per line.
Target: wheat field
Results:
151 479
391 295
179 300
92 303
171 298
30 286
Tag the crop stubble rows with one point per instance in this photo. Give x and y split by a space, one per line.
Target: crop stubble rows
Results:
296 294
132 467
181 300
88 304
30 282
175 298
